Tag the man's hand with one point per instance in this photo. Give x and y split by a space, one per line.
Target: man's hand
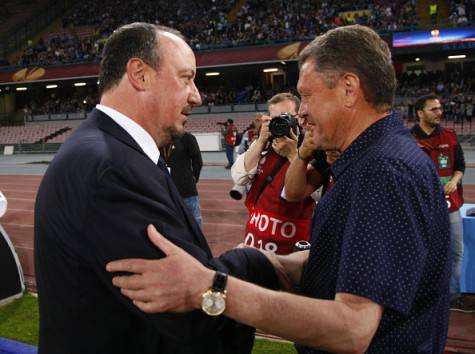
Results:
308 146
450 187
285 146
171 284
264 133
285 281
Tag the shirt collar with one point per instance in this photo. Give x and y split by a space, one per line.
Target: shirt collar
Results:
422 134
372 134
139 134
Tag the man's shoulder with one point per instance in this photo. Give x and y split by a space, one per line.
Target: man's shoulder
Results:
397 154
417 131
92 150
448 131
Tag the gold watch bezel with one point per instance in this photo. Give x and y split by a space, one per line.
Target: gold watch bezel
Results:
210 310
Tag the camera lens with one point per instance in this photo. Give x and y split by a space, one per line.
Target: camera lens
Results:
279 127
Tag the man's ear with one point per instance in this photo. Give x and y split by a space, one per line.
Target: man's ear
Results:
419 114
351 85
136 73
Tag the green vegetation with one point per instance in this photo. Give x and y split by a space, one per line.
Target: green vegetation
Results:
19 321
264 346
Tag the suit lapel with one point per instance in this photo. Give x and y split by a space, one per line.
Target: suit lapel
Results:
192 224
107 124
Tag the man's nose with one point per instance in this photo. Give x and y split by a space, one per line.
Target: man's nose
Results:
195 98
302 110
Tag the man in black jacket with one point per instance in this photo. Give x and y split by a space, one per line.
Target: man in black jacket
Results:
183 157
105 184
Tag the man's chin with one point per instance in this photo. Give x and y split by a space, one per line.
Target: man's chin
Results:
177 133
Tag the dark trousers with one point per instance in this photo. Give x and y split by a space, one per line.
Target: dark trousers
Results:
230 154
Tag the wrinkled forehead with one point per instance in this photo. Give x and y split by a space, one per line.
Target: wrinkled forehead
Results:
307 69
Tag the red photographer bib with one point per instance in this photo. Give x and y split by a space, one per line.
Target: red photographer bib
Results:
275 224
441 149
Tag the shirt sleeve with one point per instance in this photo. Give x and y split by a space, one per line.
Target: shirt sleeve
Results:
117 196
239 174
459 163
319 162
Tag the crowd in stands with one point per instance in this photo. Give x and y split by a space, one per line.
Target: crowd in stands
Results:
461 12
61 48
248 94
275 20
442 82
56 105
458 108
455 87
208 24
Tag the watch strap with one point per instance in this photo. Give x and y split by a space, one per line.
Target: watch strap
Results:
219 282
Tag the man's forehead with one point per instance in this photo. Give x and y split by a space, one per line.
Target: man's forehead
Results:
173 42
283 106
306 70
170 36
432 103
177 51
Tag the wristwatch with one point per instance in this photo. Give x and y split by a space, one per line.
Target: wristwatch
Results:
214 300
301 245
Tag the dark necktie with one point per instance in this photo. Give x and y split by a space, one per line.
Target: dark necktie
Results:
162 165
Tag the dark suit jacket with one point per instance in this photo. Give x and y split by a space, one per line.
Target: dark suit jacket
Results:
93 206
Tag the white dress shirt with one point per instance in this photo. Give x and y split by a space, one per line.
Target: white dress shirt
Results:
139 134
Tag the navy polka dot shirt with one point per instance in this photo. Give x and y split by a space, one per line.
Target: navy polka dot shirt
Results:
382 232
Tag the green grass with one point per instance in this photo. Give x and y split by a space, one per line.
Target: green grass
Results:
19 321
263 346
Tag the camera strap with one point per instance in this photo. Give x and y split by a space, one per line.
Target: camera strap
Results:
270 178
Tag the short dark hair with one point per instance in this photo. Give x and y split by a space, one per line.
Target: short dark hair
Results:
134 40
360 50
421 102
285 96
230 121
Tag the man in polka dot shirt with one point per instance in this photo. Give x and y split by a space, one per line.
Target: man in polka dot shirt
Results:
376 278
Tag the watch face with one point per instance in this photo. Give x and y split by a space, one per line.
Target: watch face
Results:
213 303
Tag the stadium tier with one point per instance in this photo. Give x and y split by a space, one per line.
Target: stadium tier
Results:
246 52
34 133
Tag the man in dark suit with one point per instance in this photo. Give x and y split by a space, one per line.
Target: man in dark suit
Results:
104 186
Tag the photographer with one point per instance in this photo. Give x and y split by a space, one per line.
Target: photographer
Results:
274 224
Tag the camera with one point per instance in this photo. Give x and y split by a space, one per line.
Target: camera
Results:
280 125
